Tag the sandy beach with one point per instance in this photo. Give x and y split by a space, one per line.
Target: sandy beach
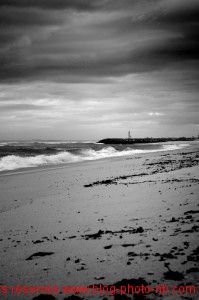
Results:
100 222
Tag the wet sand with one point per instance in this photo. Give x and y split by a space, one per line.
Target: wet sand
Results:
133 218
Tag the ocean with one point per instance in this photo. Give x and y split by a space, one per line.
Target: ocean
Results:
35 153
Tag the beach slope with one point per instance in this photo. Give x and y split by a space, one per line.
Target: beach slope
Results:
99 222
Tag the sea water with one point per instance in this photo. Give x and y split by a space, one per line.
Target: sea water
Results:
35 153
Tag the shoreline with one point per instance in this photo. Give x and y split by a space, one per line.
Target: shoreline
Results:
93 231
88 161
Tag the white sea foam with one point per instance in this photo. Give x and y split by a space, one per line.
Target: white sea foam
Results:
174 147
13 162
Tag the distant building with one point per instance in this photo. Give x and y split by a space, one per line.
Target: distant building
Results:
129 135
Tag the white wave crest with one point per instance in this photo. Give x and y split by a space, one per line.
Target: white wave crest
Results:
3 144
13 162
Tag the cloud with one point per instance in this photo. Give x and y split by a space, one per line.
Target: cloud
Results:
155 114
51 4
93 40
122 62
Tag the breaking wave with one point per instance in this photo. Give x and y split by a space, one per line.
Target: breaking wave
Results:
13 162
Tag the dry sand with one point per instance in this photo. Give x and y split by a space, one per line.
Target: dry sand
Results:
103 221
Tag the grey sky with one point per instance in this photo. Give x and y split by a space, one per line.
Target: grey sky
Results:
92 69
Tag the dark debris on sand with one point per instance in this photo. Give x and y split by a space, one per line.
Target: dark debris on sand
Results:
192 270
44 297
119 285
99 234
164 165
133 282
38 255
114 180
172 275
194 256
191 212
73 297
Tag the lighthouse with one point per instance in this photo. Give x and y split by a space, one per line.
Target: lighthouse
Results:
129 134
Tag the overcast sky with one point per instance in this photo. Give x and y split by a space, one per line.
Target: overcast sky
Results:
90 69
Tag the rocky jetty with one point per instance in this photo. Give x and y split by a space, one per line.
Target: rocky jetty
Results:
143 140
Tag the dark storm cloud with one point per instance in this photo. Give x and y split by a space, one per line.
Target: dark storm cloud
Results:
11 17
179 15
79 5
46 40
52 4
